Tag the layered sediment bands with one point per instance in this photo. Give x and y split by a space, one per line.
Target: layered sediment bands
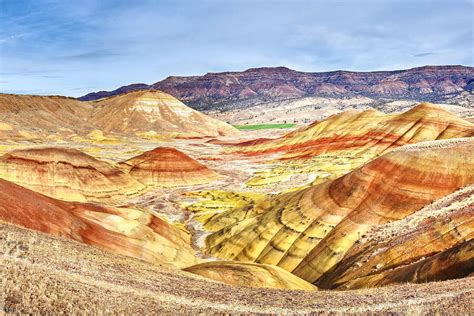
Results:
68 174
146 111
250 274
310 231
368 133
167 167
435 243
27 117
125 231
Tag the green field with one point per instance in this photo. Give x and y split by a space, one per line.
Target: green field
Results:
253 127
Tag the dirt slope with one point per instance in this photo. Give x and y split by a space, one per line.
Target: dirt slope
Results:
126 231
44 274
147 111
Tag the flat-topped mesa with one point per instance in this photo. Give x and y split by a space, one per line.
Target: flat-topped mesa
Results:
310 231
368 133
250 274
68 174
125 231
145 111
167 167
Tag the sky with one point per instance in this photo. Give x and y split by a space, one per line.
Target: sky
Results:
73 47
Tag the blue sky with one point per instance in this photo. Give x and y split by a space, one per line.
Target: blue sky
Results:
74 47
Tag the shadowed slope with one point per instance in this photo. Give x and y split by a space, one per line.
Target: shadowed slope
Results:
250 274
125 231
146 111
67 174
310 231
168 167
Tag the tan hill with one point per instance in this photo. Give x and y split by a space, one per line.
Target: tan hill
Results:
310 231
125 231
30 117
146 111
167 167
43 274
68 174
250 274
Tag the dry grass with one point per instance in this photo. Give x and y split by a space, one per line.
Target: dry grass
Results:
44 274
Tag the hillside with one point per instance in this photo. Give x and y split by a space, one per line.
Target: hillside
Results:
154 111
311 230
56 118
28 117
167 167
42 274
368 130
125 231
68 174
229 90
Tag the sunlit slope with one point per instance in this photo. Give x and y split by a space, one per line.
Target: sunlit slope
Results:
369 130
436 243
167 167
250 274
154 111
309 231
36 117
333 147
125 231
68 174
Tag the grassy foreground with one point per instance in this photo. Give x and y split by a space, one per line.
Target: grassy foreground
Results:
253 127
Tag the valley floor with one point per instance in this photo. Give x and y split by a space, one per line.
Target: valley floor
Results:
44 274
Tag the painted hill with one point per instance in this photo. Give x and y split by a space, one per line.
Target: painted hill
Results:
368 132
250 274
67 174
167 167
310 231
228 90
392 253
29 117
124 231
337 145
148 111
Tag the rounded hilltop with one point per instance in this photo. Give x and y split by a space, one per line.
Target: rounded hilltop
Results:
67 174
167 167
144 111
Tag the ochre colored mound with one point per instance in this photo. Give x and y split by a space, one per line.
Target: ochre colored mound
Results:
369 132
168 167
125 231
67 174
36 117
310 231
145 111
250 274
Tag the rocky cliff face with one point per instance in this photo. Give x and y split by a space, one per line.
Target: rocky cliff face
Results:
239 89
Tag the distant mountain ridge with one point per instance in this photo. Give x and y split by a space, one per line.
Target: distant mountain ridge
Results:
228 90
